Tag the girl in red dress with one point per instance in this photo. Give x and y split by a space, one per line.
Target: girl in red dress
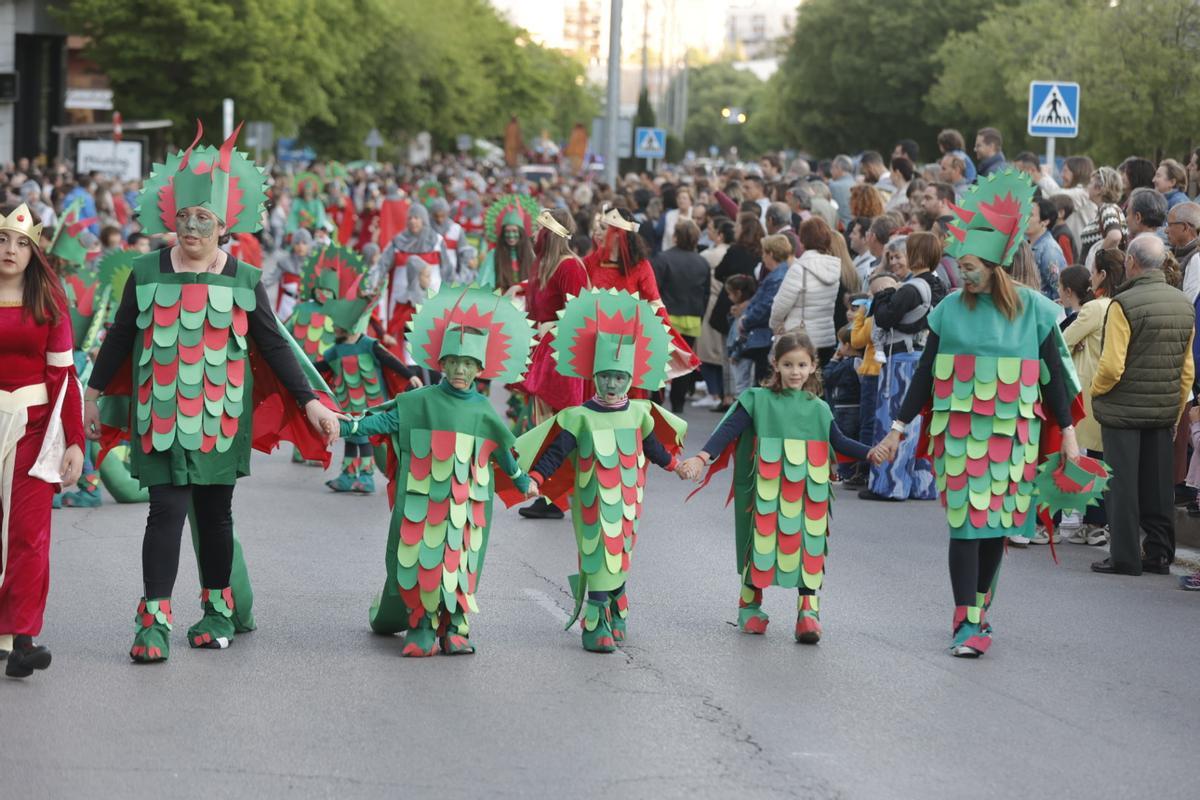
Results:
41 431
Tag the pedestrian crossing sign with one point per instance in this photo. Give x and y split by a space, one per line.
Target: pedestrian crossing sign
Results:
650 143
1054 109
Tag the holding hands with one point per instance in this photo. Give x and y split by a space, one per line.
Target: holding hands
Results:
692 469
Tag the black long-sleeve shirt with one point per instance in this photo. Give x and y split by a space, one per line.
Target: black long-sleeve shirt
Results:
1054 393
565 442
737 422
263 328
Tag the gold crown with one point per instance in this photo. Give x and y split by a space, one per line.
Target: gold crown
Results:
547 221
21 221
614 218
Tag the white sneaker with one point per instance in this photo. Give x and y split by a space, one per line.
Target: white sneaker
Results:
1019 541
1041 537
1097 535
1079 535
1070 520
708 401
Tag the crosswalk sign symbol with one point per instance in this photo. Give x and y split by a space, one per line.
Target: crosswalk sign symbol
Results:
1053 109
650 143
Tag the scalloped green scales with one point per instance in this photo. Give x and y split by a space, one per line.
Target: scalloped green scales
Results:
358 377
792 498
443 532
985 428
192 365
312 328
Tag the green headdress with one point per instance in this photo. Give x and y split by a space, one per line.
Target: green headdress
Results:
992 218
510 209
469 321
225 181
114 271
1070 487
67 243
333 267
610 330
429 191
351 314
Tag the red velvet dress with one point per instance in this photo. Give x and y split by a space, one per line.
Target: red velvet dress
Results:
542 305
37 363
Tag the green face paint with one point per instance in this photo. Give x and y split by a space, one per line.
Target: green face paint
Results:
973 276
512 235
613 385
460 371
200 224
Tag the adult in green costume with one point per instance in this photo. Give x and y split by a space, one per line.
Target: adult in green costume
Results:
1002 388
781 438
596 454
209 364
447 441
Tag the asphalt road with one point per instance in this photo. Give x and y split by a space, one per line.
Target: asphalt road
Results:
1091 689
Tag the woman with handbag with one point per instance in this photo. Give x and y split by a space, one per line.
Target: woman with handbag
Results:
41 431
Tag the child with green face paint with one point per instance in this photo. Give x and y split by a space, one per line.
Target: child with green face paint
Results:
450 453
597 453
508 226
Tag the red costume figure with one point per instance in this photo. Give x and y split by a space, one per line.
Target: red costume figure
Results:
41 431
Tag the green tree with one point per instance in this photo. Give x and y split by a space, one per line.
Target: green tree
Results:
714 88
856 72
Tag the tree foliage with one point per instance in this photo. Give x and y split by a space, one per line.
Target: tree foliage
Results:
332 69
718 86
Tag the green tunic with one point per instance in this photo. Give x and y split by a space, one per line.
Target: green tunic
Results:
193 385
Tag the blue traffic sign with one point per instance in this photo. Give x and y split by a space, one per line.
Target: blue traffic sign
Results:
1053 109
650 143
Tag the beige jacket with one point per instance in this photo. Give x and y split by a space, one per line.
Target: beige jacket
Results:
1083 337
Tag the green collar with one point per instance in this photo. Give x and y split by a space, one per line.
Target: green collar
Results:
462 394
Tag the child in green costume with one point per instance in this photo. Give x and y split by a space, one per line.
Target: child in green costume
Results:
781 437
356 364
597 453
450 451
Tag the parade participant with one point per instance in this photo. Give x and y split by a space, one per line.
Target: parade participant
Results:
780 437
446 440
191 321
509 228
341 213
288 269
308 210
41 438
560 275
1000 380
597 453
359 366
452 234
328 274
417 249
621 261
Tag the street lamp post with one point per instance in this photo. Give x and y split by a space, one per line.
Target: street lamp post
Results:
613 102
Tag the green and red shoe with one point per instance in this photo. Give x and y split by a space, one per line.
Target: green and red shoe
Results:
154 621
972 637
364 483
597 627
216 629
421 641
618 606
751 617
455 641
808 619
82 499
345 481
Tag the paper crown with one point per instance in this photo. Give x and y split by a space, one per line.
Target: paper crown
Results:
114 270
223 180
992 218
613 218
307 180
546 220
429 191
332 267
67 243
22 221
1070 487
610 330
469 312
351 314
509 209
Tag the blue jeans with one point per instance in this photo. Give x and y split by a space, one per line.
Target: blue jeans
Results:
866 410
714 379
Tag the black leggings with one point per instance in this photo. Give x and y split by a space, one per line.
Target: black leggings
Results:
164 526
973 565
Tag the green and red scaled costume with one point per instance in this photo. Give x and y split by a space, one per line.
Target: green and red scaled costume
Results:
782 446
208 367
450 452
596 454
1002 390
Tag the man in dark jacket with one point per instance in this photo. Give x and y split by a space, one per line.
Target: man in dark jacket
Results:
1140 387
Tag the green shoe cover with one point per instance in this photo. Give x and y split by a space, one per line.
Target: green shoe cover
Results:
343 482
808 619
455 641
618 606
597 627
364 483
751 617
154 621
215 630
420 641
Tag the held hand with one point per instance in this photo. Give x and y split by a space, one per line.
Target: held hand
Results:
1070 447
532 491
323 420
72 465
415 382
887 449
91 420
691 469
388 340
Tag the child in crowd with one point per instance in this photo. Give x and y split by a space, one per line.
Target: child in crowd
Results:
863 336
842 390
781 437
739 289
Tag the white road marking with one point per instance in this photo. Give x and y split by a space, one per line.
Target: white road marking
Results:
550 607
